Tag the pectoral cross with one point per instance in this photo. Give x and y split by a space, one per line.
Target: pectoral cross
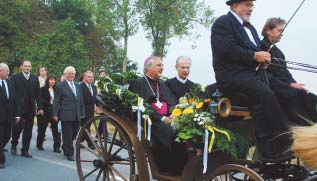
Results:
158 104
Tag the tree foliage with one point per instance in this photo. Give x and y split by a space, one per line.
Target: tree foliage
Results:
12 24
118 18
63 47
164 19
90 34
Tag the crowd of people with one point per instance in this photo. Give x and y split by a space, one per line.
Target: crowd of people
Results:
275 99
25 95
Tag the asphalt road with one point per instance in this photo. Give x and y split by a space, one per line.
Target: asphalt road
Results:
45 165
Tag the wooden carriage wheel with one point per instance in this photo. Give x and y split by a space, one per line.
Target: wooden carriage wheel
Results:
109 156
233 172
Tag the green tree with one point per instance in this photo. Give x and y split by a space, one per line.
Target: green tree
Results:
64 46
114 57
118 18
78 10
96 48
13 39
164 19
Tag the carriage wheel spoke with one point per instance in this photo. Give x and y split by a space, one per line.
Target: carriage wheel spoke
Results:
112 142
90 150
86 161
99 174
246 177
229 175
118 173
119 149
91 172
120 162
92 141
106 172
98 134
112 175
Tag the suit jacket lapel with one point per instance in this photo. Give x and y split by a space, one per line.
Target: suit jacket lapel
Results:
244 35
256 37
68 87
77 89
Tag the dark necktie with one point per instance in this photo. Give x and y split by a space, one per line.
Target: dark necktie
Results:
90 90
246 24
72 86
3 88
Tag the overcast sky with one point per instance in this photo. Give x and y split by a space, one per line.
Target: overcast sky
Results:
298 42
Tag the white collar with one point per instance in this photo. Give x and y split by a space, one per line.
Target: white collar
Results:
87 84
237 17
181 80
26 74
69 82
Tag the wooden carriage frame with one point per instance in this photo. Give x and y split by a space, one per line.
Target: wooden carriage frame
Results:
104 151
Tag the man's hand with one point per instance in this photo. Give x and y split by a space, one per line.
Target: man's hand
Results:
97 110
55 118
265 66
168 119
262 57
40 112
299 86
17 119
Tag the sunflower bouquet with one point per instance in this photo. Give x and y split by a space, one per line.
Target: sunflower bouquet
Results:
193 123
190 120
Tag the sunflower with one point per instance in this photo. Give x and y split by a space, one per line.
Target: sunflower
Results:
188 111
199 105
176 112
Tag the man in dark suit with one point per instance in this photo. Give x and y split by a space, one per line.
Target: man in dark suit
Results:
89 97
180 85
7 110
68 107
27 91
236 56
155 92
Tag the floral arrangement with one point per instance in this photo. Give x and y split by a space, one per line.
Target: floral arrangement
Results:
114 89
192 120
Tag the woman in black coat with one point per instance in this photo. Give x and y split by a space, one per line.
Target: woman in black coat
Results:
47 96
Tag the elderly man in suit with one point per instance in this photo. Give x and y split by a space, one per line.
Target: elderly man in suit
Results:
236 50
27 92
7 110
89 92
68 106
155 92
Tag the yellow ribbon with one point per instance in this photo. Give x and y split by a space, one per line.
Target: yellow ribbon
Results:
144 128
140 101
213 136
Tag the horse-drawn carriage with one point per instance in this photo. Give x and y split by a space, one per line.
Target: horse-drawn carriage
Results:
117 153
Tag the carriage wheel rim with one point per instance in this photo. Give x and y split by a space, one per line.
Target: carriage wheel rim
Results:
106 157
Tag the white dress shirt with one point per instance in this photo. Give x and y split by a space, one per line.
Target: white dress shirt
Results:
247 30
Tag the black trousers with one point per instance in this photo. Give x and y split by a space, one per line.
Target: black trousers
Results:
26 125
304 110
269 118
69 132
5 135
42 126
